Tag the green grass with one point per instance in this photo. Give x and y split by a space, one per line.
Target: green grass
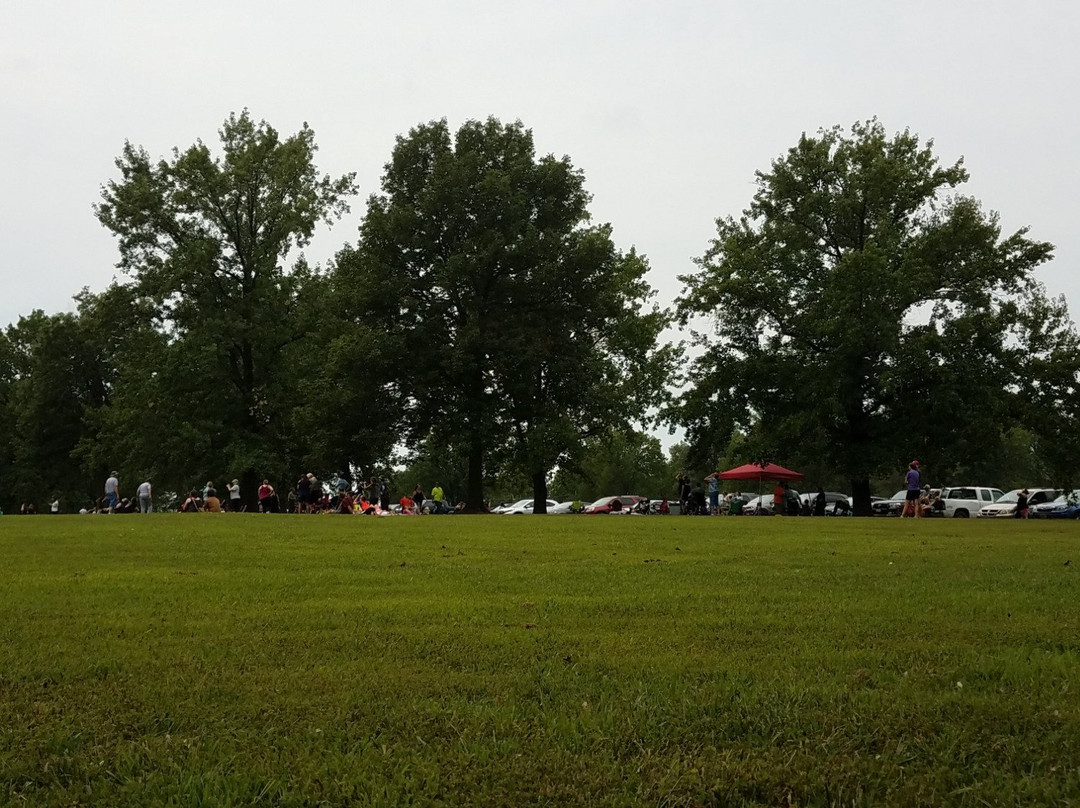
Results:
235 660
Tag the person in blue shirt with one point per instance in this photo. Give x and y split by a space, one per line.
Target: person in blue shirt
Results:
914 491
713 481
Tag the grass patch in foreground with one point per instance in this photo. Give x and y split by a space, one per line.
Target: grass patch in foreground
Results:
229 660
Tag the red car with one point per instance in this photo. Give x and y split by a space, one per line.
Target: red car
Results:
621 504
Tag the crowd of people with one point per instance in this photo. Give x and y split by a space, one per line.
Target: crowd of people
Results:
310 495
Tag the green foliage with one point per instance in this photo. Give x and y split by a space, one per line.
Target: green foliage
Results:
204 660
55 378
860 315
520 329
620 462
204 238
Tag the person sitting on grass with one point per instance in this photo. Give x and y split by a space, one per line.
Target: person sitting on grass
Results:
735 505
345 503
192 503
211 503
408 507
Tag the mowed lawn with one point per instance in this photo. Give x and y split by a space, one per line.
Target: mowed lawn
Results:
284 660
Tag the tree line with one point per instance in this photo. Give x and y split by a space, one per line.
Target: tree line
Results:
483 329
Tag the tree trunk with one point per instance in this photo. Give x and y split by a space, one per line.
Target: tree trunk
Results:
474 497
860 497
540 491
249 490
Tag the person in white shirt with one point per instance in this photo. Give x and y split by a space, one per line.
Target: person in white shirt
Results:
112 491
146 505
234 496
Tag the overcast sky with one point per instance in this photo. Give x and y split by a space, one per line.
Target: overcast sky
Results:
669 108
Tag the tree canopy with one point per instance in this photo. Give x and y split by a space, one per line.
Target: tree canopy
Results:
862 312
205 239
519 327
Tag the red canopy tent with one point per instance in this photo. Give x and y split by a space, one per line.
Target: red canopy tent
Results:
756 471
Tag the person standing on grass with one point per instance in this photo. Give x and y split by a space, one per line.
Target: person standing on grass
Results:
234 496
438 495
303 493
146 504
112 491
682 480
913 490
713 481
1021 511
779 495
266 493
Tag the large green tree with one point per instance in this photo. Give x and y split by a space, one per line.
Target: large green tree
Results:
520 327
55 377
618 462
205 239
861 312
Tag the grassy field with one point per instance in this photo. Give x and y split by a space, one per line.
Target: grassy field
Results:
239 660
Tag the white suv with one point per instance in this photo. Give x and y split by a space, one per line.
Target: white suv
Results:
964 501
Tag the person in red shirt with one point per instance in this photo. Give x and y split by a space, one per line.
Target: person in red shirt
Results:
345 505
778 504
266 493
407 505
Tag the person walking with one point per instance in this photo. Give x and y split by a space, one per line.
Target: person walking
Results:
146 503
112 491
914 490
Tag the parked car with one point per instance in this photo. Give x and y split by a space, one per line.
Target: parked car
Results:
894 505
1065 506
962 501
831 499
891 506
607 504
507 506
563 507
763 505
1006 505
527 506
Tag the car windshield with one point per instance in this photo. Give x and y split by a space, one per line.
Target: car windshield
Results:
900 495
1069 498
521 503
1012 496
602 501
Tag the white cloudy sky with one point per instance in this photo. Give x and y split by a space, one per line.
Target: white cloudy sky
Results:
667 107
